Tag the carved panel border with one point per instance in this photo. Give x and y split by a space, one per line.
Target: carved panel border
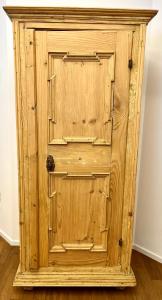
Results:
68 57
105 219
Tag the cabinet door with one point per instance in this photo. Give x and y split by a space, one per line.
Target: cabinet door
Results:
82 111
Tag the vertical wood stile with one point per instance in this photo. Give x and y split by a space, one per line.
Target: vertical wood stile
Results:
32 147
42 95
120 115
24 146
132 144
17 51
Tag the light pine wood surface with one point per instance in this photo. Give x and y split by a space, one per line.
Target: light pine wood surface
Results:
78 85
128 16
80 115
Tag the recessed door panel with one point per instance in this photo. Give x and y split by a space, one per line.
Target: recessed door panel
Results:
79 212
80 91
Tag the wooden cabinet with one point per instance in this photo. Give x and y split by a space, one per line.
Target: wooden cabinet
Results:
78 83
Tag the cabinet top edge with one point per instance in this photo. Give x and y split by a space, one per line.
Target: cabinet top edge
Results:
139 15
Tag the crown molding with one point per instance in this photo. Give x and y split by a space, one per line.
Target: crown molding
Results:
135 16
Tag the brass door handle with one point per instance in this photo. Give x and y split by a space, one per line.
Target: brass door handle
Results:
50 164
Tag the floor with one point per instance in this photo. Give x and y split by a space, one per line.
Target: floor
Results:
147 271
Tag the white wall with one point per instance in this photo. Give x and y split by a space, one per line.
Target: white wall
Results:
148 231
8 154
84 3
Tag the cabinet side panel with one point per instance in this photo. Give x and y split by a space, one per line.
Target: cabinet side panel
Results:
27 146
17 28
132 144
119 139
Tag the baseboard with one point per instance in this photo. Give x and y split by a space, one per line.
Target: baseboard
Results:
8 239
147 253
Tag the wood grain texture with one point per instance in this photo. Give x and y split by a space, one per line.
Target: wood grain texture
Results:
16 38
81 43
77 121
19 43
42 75
81 157
119 133
32 148
88 202
78 108
132 144
148 273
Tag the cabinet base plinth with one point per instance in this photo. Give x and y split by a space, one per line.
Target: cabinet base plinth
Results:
97 278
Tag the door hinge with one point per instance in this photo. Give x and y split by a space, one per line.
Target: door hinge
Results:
130 64
120 242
